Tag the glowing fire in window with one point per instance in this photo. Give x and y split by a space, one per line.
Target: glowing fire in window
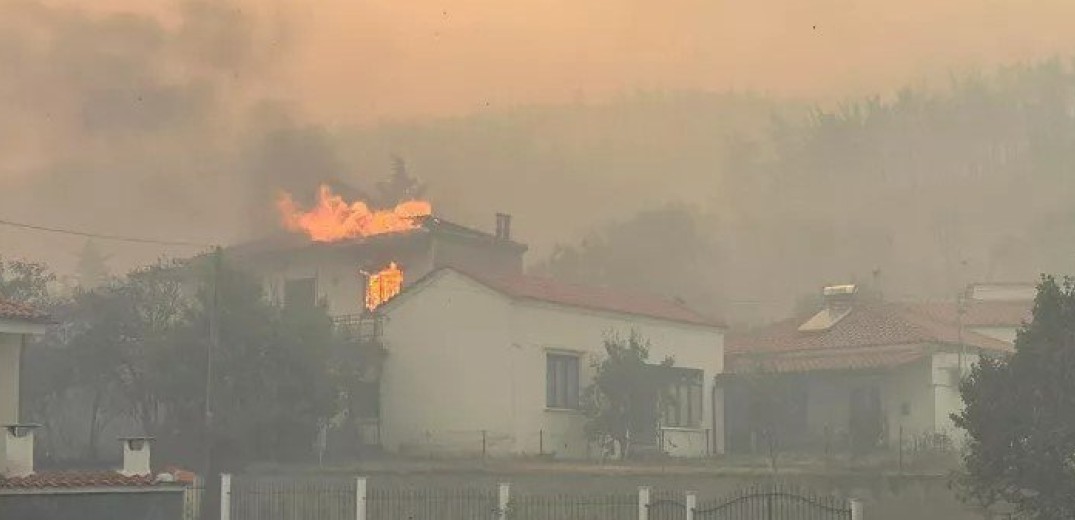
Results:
383 285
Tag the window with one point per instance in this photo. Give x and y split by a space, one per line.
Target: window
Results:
683 401
561 381
301 292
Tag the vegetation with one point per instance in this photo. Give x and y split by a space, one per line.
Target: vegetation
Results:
623 404
133 352
1020 416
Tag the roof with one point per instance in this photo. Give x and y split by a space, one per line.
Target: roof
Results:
868 324
10 310
283 241
979 313
80 479
828 360
548 290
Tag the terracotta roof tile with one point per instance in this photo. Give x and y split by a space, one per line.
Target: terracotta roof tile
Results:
18 311
980 313
868 324
78 479
826 360
587 297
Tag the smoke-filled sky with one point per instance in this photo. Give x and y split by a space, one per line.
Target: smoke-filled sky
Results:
354 61
181 118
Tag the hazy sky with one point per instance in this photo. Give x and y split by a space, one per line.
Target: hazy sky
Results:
358 60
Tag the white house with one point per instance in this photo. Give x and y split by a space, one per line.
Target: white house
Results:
862 373
16 323
495 363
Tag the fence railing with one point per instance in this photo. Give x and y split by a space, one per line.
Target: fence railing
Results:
309 497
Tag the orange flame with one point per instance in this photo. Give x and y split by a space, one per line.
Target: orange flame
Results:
334 219
383 285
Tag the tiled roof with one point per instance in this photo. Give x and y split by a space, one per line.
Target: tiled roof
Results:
78 479
867 325
826 360
16 311
979 313
587 297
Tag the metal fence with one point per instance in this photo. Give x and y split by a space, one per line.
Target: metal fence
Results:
432 504
349 498
572 507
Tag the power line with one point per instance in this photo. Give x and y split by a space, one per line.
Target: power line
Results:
104 236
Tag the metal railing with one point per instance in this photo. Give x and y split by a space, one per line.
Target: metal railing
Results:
364 326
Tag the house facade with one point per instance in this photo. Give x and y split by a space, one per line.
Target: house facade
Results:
862 374
17 323
495 365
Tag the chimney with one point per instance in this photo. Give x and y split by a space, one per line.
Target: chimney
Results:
503 226
135 456
18 454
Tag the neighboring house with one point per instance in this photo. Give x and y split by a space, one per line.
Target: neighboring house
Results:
495 364
132 491
17 323
861 372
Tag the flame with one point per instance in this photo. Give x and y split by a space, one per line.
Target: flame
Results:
383 285
334 219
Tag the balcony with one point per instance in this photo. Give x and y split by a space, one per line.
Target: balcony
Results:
364 327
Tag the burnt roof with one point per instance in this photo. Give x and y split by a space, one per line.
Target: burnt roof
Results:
431 225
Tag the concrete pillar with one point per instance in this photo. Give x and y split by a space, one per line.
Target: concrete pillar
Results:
692 502
503 500
225 496
360 498
643 503
856 509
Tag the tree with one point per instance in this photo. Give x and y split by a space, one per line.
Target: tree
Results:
1019 415
623 404
92 267
400 186
26 282
663 251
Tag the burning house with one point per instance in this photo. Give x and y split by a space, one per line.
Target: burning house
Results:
473 356
353 259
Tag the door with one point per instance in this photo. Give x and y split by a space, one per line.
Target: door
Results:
867 420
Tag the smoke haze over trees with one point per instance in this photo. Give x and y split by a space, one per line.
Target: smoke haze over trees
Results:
182 127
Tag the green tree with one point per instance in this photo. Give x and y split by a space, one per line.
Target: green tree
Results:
623 404
1019 415
26 282
92 266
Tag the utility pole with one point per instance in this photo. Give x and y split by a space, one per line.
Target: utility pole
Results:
214 341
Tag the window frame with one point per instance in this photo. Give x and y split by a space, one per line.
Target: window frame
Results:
314 286
563 379
686 408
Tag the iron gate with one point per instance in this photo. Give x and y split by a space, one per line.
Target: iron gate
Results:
756 503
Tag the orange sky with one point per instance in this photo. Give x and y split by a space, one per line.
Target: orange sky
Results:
362 60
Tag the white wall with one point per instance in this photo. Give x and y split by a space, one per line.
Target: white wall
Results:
10 346
946 389
463 358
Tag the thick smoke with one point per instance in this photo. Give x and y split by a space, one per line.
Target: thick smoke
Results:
156 126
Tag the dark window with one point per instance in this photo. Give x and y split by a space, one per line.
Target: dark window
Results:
561 381
683 401
300 292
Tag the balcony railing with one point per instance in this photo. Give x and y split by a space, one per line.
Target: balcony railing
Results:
364 326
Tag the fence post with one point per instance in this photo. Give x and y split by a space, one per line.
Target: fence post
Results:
225 496
856 509
503 499
360 498
692 501
643 503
